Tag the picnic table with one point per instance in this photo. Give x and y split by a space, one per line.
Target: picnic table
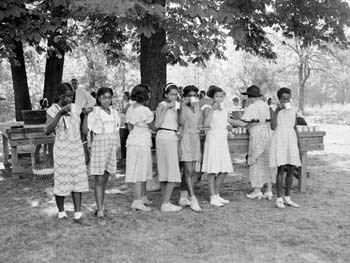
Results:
22 136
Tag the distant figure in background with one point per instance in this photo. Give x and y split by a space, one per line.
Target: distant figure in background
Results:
44 104
93 94
201 94
181 93
245 103
83 99
124 131
271 105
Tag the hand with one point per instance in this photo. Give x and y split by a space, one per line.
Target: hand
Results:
216 106
87 110
65 110
170 105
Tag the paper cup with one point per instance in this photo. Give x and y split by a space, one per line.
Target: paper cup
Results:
194 100
222 105
288 106
177 105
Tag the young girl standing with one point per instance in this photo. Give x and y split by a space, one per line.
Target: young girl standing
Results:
190 151
104 122
139 156
284 151
167 146
216 160
70 176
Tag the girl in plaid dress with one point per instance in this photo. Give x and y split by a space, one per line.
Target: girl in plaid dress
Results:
70 176
104 122
284 150
139 142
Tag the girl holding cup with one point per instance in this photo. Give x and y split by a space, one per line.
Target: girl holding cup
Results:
166 124
216 160
63 118
284 151
190 120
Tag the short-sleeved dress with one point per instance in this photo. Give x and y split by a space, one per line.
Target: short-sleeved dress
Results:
259 144
139 142
190 148
105 141
217 158
167 147
69 159
284 143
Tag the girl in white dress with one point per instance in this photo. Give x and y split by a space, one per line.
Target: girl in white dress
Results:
104 122
167 146
63 118
139 142
216 160
284 150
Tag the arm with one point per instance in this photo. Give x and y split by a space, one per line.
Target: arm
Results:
160 115
274 117
238 123
182 116
208 115
51 123
84 125
130 127
298 138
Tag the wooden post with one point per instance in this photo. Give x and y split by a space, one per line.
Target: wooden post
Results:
5 149
15 165
302 183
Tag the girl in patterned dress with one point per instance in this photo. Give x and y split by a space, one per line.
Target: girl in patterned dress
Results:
217 159
256 117
70 175
166 124
190 148
139 142
284 150
104 122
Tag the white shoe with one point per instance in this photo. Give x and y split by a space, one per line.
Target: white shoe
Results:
214 200
62 215
289 202
145 200
279 203
222 200
255 195
184 202
194 204
268 195
139 205
169 207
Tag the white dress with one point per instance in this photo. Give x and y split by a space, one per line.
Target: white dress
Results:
139 142
217 158
284 143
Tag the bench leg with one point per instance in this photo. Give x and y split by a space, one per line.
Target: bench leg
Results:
5 149
15 165
302 185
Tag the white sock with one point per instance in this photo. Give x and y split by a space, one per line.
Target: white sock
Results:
287 198
183 194
279 199
213 197
62 214
77 215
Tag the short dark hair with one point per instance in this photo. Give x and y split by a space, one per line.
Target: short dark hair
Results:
283 91
140 93
63 88
93 94
74 80
212 90
189 89
202 92
127 93
101 91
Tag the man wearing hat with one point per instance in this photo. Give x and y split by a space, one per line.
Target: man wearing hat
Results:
256 117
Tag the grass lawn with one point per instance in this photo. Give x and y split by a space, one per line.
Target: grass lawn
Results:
243 231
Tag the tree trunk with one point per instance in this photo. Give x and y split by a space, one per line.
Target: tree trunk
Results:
153 63
55 59
19 79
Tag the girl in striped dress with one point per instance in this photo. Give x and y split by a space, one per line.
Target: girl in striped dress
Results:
167 146
284 150
139 142
104 122
63 118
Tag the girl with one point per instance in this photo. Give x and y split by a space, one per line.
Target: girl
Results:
70 169
284 152
167 146
190 151
104 123
256 117
138 156
217 160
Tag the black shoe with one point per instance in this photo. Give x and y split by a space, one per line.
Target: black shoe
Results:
81 222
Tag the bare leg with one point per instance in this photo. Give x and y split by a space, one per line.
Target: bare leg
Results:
189 168
76 196
211 184
289 179
163 189
218 182
269 187
167 192
99 192
279 180
105 181
138 189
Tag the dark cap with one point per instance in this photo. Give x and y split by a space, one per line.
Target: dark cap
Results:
253 91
